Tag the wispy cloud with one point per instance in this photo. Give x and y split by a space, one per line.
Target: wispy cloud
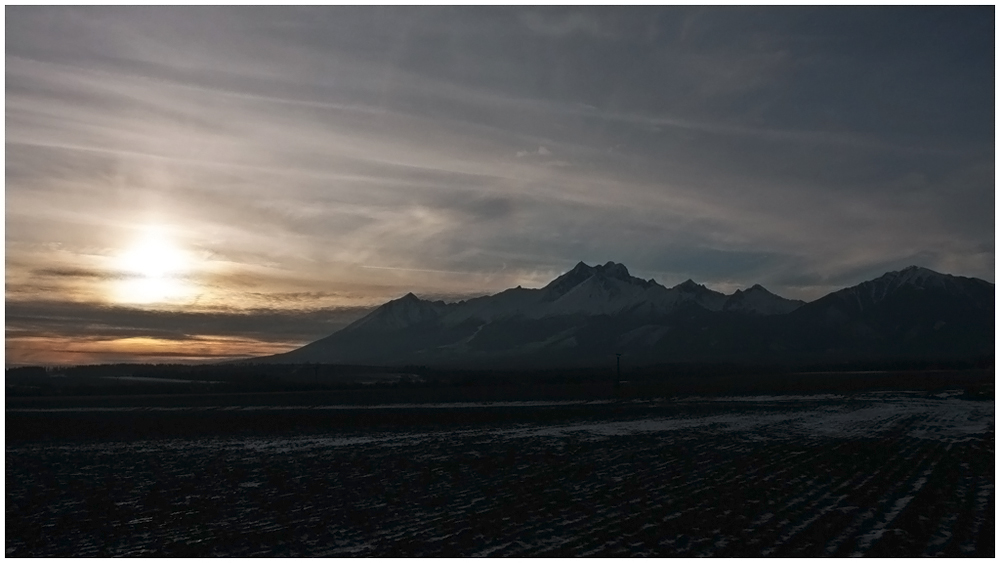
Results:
564 24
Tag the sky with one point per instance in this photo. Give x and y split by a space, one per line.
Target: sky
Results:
198 183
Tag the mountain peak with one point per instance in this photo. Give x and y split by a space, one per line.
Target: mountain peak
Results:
612 280
613 270
406 301
870 293
689 286
400 313
568 281
911 270
912 275
758 300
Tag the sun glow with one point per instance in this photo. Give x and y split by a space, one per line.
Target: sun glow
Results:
154 270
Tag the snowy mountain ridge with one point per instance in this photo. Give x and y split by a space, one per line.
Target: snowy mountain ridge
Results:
607 289
592 313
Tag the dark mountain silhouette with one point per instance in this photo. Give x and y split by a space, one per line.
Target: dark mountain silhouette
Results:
912 313
588 314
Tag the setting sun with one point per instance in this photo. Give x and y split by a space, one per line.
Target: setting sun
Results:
154 270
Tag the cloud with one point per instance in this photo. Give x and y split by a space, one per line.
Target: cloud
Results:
79 320
486 207
564 24
74 273
542 151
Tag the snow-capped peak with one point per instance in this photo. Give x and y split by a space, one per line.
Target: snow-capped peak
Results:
874 291
608 290
757 299
400 313
910 276
567 281
921 277
582 272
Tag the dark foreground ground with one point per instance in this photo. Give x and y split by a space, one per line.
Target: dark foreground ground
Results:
878 473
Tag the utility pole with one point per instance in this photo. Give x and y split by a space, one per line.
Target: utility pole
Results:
618 369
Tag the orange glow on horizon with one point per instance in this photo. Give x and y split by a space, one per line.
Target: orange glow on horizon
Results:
42 350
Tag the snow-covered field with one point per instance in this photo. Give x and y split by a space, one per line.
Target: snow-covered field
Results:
873 474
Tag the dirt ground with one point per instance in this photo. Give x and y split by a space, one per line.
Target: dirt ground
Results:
879 474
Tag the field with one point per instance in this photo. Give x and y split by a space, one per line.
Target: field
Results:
877 473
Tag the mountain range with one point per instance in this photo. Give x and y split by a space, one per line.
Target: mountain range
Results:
589 314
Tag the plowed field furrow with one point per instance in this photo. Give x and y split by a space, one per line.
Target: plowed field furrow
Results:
870 501
736 479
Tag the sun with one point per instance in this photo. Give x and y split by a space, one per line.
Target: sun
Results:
153 269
